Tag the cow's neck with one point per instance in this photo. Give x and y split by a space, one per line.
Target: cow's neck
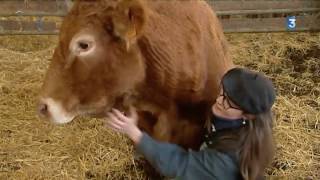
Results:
160 70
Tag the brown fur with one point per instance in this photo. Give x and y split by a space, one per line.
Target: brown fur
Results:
164 57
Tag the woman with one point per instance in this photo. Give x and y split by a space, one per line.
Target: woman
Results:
238 145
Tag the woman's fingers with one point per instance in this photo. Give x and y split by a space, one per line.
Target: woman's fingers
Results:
113 117
114 126
119 115
115 120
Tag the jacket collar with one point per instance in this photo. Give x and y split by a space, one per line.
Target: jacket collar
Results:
219 123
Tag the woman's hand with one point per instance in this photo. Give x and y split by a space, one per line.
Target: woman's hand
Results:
125 124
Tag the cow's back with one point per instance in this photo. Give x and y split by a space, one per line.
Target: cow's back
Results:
184 49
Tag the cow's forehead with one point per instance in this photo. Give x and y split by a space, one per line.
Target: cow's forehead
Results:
74 25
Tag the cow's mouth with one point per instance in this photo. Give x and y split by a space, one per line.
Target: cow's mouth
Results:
53 110
98 112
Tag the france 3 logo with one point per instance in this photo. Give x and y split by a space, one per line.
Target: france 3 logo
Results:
291 22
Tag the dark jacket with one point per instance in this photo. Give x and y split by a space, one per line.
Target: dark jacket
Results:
173 161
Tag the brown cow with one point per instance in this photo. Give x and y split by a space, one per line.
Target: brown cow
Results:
166 58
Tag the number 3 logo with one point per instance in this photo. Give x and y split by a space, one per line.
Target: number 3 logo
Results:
291 22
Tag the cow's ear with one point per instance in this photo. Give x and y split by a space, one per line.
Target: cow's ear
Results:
128 20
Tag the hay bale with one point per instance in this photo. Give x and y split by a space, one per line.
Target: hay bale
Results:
31 148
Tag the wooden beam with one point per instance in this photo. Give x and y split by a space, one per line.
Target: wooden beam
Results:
222 7
268 11
33 7
25 27
228 5
225 7
39 14
11 33
220 13
239 25
311 23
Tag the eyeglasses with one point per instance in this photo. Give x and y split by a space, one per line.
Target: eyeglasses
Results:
225 103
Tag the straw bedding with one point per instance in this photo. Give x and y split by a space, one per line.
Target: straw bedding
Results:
31 148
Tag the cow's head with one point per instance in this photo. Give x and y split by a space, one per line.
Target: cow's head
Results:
96 61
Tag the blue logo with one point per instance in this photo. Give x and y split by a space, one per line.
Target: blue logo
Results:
291 22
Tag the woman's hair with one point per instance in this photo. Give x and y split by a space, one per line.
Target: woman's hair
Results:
253 145
256 150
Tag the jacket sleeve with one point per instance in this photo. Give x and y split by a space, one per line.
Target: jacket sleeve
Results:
173 161
169 159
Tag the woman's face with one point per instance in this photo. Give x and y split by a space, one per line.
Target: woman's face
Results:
224 107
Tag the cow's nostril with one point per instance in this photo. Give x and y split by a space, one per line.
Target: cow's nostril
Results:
43 109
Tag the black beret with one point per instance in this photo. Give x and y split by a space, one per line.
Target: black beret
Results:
251 91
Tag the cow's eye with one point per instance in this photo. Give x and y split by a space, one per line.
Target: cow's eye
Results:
83 45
